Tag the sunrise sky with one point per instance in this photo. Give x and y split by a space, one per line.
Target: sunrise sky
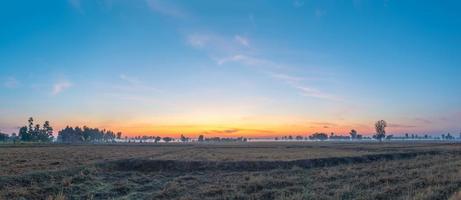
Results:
232 68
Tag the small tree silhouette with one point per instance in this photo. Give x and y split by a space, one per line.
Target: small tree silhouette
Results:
353 134
201 138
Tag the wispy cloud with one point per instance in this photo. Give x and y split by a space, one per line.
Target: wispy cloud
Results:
233 131
11 83
219 48
242 40
320 12
60 86
166 8
198 40
286 77
401 126
133 84
244 59
298 3
218 45
312 92
268 67
221 132
296 82
423 120
77 5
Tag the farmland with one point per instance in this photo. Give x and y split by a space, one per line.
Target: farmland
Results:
271 170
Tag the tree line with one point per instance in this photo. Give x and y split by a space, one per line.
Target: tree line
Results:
44 133
86 134
182 138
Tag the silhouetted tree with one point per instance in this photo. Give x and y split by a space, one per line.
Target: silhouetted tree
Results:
31 126
119 135
299 137
201 138
380 127
353 134
184 139
46 134
24 134
157 139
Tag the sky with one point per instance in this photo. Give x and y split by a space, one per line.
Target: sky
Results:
232 68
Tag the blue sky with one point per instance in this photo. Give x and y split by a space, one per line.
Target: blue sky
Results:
232 67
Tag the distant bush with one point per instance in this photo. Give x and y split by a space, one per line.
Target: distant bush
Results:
319 136
4 137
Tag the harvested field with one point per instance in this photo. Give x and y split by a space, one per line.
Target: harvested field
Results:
235 171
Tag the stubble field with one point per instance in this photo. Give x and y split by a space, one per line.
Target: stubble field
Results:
278 170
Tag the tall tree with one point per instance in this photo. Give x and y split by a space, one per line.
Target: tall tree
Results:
47 132
31 127
380 127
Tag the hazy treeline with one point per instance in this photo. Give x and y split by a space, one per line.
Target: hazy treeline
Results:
44 133
183 138
86 134
323 136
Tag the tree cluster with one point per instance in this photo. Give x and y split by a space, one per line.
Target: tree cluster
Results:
86 134
35 133
202 138
318 136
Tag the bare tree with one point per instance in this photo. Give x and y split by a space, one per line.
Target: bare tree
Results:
380 129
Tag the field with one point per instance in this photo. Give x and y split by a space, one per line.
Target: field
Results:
278 170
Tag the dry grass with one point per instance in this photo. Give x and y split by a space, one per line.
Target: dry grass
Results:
420 176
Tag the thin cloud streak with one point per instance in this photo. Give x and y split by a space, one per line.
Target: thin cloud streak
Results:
298 3
61 86
166 8
242 40
11 83
133 84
